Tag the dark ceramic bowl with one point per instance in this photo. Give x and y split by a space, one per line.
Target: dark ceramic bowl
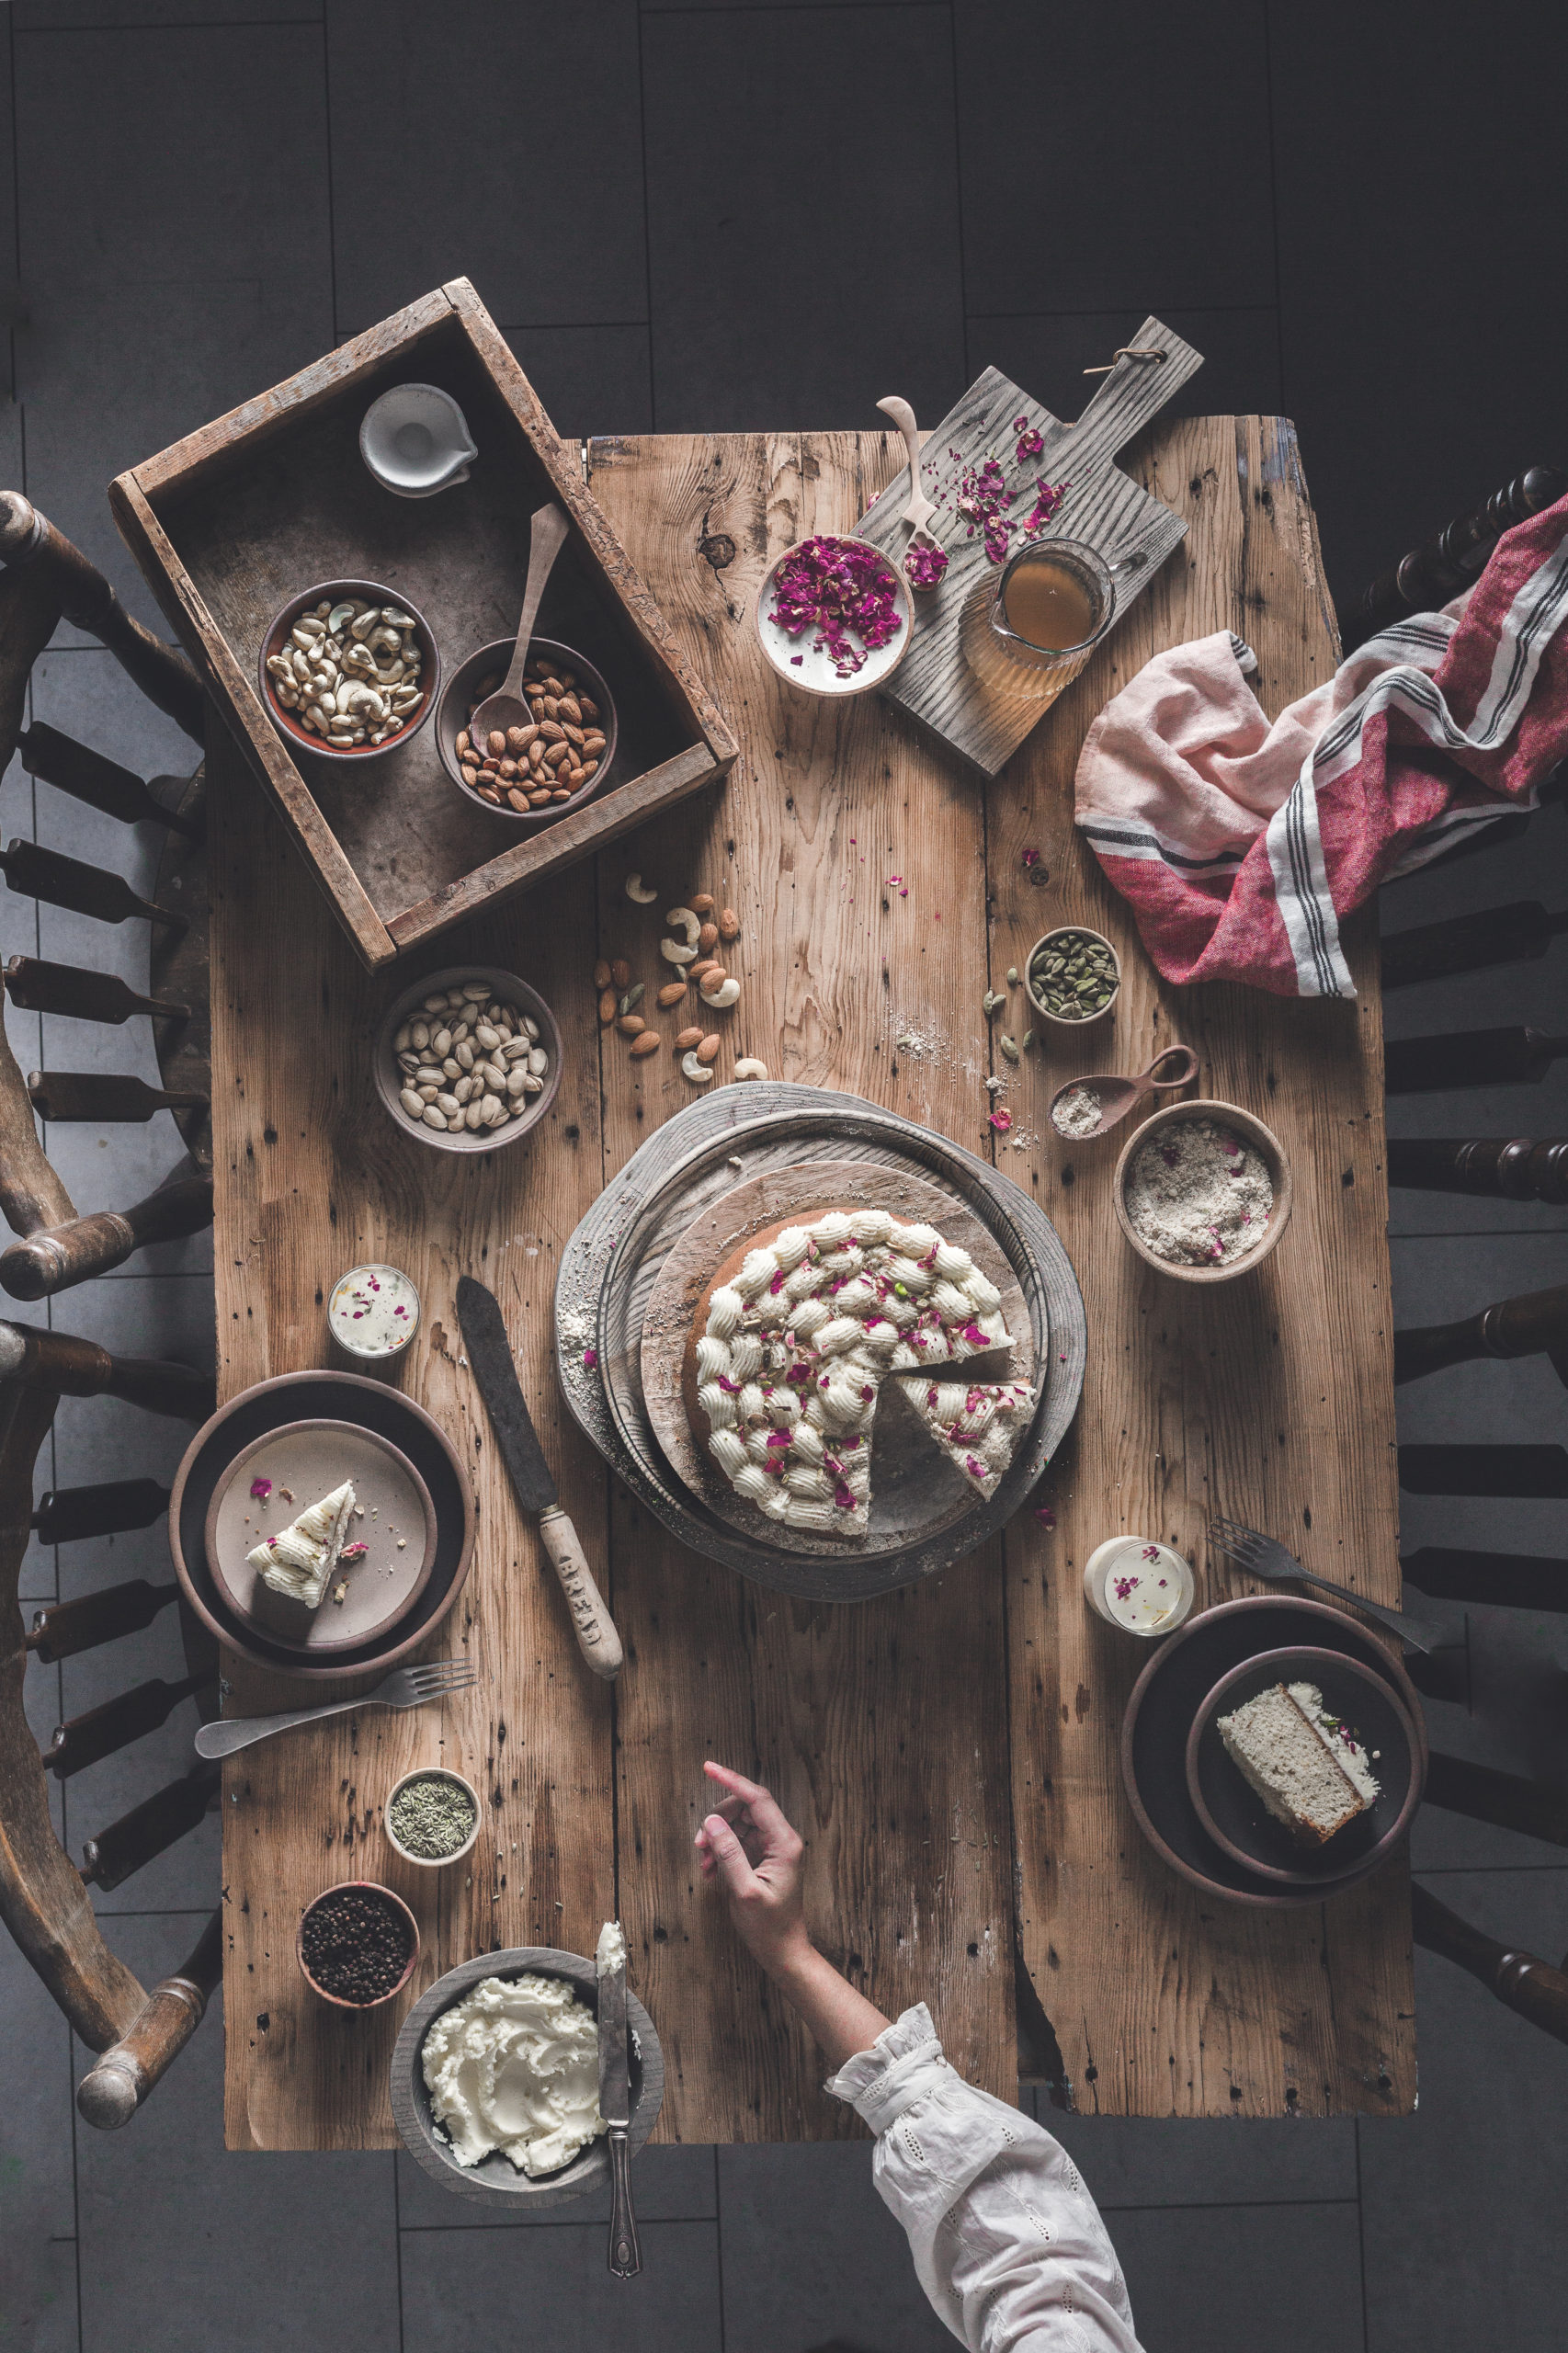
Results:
462 690
1235 1816
1164 1702
509 990
321 1396
338 2001
302 738
496 2180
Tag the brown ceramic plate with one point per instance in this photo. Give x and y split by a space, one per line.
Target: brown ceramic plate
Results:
303 1461
321 1396
1165 1699
462 689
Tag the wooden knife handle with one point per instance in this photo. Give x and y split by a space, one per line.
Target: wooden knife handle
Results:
597 1637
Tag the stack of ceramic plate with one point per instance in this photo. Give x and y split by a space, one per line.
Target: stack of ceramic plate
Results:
735 1164
278 1447
1175 1780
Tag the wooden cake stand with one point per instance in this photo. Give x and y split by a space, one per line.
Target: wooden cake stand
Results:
692 1174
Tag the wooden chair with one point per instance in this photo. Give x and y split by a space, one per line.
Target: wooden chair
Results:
43 1897
1518 933
1521 1979
1536 1473
1511 1168
1519 1055
1533 1324
1436 570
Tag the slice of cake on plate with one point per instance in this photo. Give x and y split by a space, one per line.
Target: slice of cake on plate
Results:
299 1562
1308 1768
791 1355
976 1424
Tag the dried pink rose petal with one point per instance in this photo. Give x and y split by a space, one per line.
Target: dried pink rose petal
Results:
1001 1121
841 590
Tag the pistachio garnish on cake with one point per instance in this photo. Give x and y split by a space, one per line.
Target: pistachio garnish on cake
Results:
797 1341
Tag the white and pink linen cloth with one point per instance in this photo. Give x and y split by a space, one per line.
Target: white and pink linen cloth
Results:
1240 845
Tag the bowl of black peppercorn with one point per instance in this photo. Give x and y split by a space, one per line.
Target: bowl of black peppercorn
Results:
357 1945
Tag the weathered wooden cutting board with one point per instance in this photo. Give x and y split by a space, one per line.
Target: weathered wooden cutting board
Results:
981 720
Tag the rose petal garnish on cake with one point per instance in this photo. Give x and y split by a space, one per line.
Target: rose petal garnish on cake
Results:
976 1424
798 1342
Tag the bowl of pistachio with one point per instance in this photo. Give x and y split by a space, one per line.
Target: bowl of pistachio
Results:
468 1059
349 669
1073 975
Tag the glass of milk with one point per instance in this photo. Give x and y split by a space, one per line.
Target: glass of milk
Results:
373 1312
1138 1584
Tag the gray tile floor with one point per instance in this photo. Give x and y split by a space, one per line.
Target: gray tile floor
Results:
785 209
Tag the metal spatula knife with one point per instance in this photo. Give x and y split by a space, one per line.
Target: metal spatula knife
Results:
615 2106
490 1355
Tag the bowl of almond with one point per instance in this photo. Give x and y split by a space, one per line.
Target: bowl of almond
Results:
536 773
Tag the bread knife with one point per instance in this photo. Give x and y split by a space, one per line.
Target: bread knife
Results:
490 1355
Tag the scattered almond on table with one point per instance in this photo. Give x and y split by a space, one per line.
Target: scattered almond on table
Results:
693 933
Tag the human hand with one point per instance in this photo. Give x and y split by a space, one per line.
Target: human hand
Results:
749 1848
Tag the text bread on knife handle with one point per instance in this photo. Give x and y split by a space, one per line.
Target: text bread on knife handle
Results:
597 1637
533 1483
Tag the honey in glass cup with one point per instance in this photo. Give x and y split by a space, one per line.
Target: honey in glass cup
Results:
1033 630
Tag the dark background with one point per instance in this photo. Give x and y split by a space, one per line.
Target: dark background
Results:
699 217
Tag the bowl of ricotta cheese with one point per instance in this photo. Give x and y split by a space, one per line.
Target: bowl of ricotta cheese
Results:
495 2077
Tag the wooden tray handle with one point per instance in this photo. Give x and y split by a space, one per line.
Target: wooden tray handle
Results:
113 2089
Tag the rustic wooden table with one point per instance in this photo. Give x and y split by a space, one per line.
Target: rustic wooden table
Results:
949 1752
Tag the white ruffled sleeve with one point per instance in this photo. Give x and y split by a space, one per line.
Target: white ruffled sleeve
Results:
1007 2243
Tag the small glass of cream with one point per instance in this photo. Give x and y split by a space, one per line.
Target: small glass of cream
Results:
1143 1586
373 1312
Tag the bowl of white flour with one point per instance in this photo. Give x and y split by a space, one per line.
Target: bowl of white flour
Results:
1203 1191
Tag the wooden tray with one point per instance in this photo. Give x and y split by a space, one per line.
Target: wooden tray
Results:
610 1265
231 521
917 1491
982 720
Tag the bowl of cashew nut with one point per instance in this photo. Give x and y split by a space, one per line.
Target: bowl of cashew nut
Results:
348 670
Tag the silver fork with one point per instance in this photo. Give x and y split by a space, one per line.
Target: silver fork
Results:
1260 1556
406 1687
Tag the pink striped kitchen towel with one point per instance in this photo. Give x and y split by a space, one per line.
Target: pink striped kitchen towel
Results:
1239 845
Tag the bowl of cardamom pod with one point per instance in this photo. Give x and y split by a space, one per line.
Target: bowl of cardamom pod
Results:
1073 975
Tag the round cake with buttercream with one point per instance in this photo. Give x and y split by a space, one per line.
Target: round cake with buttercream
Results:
792 1344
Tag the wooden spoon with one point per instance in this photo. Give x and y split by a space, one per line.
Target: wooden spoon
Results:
506 708
1117 1096
920 509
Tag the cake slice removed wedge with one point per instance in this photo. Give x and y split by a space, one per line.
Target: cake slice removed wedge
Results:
977 1424
299 1562
1308 1768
